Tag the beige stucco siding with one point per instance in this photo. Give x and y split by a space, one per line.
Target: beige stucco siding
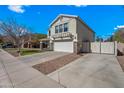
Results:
72 28
84 33
71 25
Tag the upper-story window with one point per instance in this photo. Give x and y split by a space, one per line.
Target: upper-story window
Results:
60 28
65 27
56 29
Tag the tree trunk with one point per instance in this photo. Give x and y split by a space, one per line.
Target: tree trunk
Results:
22 46
19 50
28 44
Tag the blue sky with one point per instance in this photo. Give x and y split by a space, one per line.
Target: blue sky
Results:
102 19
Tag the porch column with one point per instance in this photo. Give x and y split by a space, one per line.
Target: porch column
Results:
75 47
51 45
41 47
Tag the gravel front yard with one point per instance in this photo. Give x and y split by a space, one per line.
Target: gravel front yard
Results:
52 65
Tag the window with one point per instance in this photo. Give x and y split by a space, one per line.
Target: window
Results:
60 28
65 27
56 29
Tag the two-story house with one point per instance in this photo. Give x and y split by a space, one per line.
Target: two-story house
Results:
68 32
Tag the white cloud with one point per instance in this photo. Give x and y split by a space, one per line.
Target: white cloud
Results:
16 8
118 27
115 28
81 5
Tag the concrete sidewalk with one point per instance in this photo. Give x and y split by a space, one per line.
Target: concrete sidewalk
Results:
14 73
91 70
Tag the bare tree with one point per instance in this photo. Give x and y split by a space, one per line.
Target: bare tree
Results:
14 32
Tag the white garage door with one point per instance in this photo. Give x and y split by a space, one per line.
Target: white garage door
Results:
65 46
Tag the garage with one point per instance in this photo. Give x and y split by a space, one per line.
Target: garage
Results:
64 46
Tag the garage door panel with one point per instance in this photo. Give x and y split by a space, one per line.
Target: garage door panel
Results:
63 46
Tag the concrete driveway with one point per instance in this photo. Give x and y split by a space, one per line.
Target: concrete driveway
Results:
91 70
40 57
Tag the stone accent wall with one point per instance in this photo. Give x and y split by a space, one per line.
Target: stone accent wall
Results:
51 46
77 47
41 46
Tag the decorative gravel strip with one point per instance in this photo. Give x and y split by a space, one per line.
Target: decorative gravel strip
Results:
52 65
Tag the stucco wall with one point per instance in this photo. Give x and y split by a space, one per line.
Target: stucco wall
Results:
71 25
84 34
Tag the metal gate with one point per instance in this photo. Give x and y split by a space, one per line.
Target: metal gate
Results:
100 47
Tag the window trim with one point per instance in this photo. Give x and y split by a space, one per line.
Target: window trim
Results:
57 29
61 28
66 27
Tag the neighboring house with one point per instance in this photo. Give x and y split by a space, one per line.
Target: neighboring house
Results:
34 40
68 32
32 44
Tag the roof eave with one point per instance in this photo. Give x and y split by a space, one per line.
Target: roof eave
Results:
64 15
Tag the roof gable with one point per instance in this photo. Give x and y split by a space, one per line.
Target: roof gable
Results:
70 16
60 16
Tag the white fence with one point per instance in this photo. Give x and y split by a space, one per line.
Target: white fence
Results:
95 47
100 47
